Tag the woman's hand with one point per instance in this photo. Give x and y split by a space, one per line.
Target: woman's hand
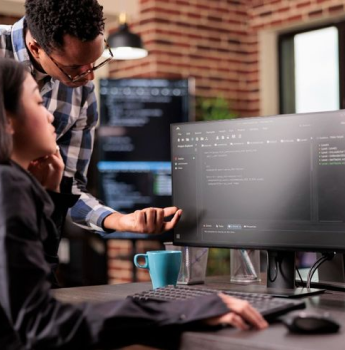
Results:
48 171
242 315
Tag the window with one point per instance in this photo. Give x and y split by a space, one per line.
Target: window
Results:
310 67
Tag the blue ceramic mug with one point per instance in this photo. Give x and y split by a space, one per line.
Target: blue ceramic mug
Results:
163 265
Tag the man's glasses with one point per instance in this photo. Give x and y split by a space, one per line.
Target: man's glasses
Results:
84 74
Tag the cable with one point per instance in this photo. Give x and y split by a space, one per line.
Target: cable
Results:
317 264
299 274
313 269
276 269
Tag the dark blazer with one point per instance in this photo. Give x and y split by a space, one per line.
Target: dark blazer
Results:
27 236
9 338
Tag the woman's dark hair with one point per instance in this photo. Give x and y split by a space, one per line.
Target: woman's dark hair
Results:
49 20
12 76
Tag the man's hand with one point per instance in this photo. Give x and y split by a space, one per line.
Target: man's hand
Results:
149 220
48 171
242 315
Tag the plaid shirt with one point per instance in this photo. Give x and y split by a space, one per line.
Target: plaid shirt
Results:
75 113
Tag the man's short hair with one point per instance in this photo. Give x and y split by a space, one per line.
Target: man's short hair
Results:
49 20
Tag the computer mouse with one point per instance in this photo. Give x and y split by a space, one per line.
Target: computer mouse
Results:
310 323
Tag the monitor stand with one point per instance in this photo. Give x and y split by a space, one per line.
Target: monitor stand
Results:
281 271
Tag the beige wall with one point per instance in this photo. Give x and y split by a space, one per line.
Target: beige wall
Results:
12 7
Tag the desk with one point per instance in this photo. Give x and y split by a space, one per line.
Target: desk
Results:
276 337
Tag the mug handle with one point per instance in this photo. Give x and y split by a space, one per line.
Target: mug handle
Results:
136 263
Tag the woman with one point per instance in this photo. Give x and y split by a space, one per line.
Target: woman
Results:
36 319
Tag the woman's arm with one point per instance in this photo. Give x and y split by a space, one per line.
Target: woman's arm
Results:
45 323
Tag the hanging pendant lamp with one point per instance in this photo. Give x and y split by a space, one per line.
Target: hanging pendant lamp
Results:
124 44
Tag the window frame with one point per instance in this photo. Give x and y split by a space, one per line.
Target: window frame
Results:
286 65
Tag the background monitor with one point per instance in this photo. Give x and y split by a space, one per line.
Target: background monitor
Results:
133 142
130 186
136 115
273 183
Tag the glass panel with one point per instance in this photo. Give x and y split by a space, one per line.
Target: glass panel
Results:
317 70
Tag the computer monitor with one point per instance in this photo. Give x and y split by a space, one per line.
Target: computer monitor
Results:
130 186
136 115
271 183
132 149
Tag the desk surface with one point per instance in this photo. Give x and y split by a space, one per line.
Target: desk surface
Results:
275 337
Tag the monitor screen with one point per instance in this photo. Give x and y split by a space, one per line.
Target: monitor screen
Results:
265 183
132 152
273 183
130 186
136 115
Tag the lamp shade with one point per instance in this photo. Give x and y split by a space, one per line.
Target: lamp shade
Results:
126 45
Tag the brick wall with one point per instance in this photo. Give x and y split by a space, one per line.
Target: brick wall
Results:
120 260
216 42
203 39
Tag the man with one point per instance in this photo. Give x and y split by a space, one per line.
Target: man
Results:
62 43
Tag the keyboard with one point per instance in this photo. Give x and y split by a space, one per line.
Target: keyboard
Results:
269 306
